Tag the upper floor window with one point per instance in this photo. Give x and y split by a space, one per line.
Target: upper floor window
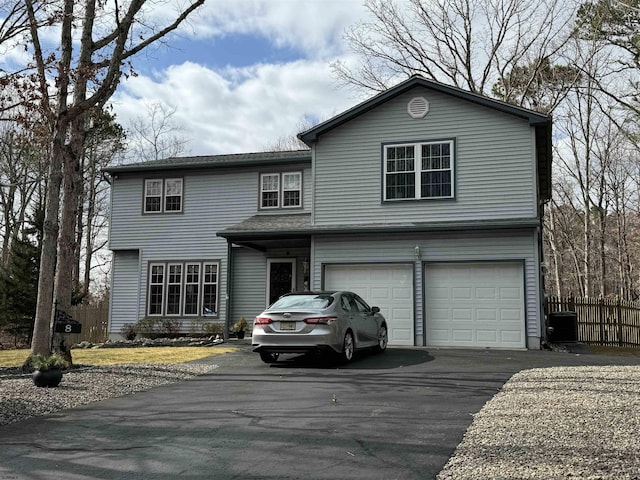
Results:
162 195
281 190
419 170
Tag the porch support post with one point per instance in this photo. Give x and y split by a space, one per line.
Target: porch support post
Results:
227 320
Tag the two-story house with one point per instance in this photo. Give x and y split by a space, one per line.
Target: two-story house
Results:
426 200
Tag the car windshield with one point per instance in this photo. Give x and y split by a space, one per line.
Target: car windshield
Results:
302 301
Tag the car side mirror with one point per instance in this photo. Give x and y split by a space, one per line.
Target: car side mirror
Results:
375 309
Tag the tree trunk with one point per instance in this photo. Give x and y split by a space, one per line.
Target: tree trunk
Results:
88 250
551 238
603 255
41 343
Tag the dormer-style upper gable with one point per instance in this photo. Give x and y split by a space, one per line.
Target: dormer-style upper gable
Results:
541 123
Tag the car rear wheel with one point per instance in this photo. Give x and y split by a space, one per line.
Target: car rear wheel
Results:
348 347
383 339
268 357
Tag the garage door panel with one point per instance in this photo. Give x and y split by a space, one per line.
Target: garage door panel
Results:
486 293
403 294
439 335
400 336
458 314
488 336
480 305
440 314
379 276
510 294
511 336
438 293
465 336
461 293
379 293
507 315
486 315
389 287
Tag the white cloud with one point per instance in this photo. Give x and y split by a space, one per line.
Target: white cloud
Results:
312 26
238 110
247 109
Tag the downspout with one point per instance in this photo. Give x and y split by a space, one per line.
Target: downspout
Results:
229 290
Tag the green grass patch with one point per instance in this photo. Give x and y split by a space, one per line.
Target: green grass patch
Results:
113 356
616 351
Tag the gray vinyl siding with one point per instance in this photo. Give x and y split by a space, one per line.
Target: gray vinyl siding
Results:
249 293
440 247
249 287
124 290
494 164
211 202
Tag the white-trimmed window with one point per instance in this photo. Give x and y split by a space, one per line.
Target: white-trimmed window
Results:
419 170
210 289
183 288
281 190
163 195
269 190
173 195
291 189
156 289
192 289
152 196
174 288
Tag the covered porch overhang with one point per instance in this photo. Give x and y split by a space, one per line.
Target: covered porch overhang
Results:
264 232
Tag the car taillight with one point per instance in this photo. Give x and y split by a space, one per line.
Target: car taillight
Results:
320 320
262 321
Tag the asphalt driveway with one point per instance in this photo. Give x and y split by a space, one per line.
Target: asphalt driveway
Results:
396 415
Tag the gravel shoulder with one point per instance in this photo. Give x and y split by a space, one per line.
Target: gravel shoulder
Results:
21 399
562 422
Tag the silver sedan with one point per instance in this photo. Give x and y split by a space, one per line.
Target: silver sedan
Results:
303 322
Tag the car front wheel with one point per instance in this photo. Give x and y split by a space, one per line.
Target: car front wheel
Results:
268 357
348 347
383 339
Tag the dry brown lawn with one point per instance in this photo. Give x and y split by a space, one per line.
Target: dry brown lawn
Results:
119 356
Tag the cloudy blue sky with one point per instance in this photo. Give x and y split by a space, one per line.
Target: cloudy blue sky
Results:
243 73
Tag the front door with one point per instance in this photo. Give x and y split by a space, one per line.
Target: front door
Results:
281 277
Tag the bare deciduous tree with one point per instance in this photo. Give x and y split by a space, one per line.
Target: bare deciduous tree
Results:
471 44
21 174
87 73
292 142
104 141
157 135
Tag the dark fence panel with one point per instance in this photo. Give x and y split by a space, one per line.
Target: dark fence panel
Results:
601 321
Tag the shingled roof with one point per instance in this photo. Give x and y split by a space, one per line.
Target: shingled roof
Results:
216 161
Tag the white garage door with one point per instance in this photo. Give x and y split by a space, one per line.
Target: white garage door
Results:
389 287
475 305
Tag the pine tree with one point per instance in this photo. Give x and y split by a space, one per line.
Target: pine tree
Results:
18 290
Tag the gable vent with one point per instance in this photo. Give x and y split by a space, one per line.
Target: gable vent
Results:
418 107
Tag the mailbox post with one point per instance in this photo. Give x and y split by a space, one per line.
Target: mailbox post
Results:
64 324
